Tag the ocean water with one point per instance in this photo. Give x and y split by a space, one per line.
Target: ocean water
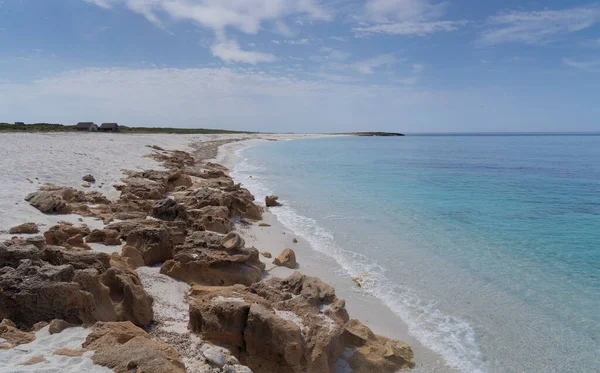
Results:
487 247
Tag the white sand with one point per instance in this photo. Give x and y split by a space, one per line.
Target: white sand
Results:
44 345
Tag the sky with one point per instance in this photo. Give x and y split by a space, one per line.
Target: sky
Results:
304 65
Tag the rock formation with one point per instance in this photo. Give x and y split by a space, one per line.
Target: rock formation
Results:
210 259
148 246
271 201
287 258
26 228
125 348
291 325
168 209
75 286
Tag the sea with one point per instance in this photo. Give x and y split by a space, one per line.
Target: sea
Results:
486 246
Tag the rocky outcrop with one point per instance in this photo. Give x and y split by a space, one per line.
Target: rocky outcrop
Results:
211 218
291 325
148 246
208 258
239 202
75 286
13 336
109 237
68 235
140 188
168 209
125 348
271 201
89 178
26 228
55 199
287 258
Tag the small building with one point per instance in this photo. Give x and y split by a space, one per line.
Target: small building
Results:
86 126
19 123
109 127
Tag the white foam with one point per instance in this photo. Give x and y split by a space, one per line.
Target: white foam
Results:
452 338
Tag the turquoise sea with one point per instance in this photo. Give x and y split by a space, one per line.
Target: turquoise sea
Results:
487 247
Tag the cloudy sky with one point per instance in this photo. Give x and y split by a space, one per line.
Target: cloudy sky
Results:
304 65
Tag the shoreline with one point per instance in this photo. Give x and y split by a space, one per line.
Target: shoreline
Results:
359 303
318 316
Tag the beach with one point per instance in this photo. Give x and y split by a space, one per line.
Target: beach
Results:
63 159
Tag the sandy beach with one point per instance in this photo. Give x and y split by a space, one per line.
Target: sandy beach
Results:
33 160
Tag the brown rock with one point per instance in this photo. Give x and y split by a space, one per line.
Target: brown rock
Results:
89 178
37 241
109 237
37 359
51 198
76 286
124 348
14 336
203 259
271 201
239 202
68 352
68 235
266 254
168 209
287 258
148 246
26 228
57 326
211 218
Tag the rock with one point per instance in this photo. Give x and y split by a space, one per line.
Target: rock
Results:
89 178
57 326
86 185
125 348
264 225
179 180
37 359
68 235
37 241
26 228
212 174
271 201
168 209
68 352
291 325
203 259
78 287
232 241
239 202
148 246
109 237
287 258
375 353
295 240
211 218
295 325
141 188
266 254
77 241
55 199
14 336
214 356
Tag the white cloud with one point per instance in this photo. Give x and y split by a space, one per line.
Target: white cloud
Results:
538 27
403 10
338 38
410 28
247 16
418 68
405 17
230 51
303 41
369 65
275 42
590 66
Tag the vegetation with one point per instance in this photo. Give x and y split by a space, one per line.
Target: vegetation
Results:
46 127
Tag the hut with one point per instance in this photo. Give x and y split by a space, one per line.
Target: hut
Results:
86 126
109 127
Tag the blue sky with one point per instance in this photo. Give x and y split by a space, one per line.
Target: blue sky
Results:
304 65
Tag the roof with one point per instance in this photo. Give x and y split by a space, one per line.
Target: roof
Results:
84 124
109 125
